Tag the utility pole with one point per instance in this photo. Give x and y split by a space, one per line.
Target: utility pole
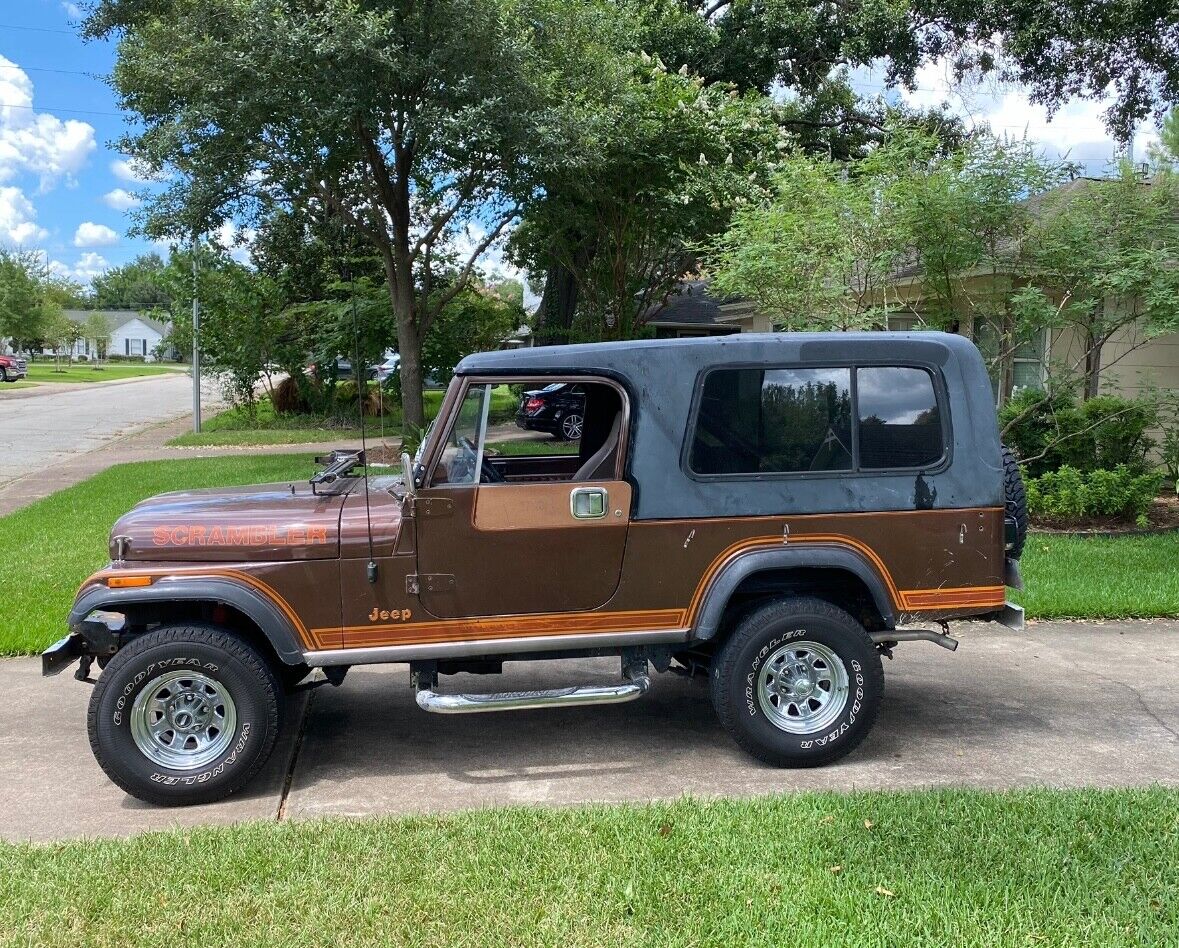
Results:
196 345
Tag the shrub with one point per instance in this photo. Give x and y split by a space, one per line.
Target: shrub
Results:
1050 432
1070 494
374 401
288 398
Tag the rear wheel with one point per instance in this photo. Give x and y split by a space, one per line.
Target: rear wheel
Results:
570 428
3 374
184 714
798 683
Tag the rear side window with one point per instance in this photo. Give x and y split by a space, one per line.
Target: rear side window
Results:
787 421
900 425
756 421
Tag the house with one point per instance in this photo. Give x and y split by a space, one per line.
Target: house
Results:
131 334
691 310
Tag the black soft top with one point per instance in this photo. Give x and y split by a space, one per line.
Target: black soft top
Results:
664 375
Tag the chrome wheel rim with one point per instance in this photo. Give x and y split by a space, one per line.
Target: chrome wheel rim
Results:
802 687
183 720
571 427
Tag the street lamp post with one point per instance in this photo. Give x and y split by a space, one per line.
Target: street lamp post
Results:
196 346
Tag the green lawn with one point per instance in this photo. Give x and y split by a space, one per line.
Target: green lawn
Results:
1115 578
9 386
530 447
86 372
262 425
52 545
1077 867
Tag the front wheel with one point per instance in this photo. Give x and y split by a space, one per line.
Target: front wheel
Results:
798 683
184 714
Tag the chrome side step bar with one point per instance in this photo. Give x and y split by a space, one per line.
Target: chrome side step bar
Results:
636 687
914 635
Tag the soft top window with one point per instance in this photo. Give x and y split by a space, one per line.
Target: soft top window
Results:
811 420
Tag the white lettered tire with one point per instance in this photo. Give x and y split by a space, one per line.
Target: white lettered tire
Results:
184 714
798 683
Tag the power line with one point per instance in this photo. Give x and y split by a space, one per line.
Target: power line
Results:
35 29
63 72
58 108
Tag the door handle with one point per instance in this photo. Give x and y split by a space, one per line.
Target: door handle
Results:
588 503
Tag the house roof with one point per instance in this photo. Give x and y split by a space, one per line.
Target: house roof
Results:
691 303
117 318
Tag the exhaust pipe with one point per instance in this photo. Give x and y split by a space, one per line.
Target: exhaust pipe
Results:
914 635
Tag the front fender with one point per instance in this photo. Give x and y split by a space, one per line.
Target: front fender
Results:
260 610
830 557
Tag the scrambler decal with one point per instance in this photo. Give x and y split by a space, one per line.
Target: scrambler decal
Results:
254 535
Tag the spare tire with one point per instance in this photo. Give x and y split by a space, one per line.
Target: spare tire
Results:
1016 500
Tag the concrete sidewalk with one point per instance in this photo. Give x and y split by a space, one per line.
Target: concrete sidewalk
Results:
1063 704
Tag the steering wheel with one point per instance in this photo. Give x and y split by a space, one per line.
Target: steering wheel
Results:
487 473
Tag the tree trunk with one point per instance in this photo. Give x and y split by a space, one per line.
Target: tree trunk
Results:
1092 364
399 281
558 303
1006 357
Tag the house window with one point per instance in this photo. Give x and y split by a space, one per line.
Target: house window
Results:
1027 362
774 421
127 346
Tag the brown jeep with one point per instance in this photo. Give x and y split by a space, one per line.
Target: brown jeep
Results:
775 512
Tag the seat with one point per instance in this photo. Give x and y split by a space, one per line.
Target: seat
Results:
600 464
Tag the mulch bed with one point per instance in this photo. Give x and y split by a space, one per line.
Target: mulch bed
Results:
1163 517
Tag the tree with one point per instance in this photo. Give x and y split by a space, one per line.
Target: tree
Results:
22 315
135 285
1105 252
967 219
62 333
820 251
420 123
474 321
675 158
97 328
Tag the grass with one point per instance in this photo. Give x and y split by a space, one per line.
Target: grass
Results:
1100 577
527 447
9 386
53 544
263 425
1042 867
86 372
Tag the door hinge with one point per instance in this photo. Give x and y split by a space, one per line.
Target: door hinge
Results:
433 506
417 583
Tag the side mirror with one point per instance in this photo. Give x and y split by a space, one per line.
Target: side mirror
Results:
407 473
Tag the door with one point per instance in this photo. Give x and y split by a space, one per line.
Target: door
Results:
495 537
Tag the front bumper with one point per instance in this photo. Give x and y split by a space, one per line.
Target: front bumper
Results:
62 654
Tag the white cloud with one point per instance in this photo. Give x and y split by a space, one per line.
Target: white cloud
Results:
133 170
90 234
73 11
121 200
37 142
1075 131
88 266
18 219
238 241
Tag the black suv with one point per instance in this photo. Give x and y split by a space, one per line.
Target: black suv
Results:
558 409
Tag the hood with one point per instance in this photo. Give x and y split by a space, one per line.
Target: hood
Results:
261 522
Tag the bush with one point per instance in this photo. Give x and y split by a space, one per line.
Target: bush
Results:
1071 494
288 399
374 400
126 358
1052 432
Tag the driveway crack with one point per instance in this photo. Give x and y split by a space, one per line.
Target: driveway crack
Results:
289 778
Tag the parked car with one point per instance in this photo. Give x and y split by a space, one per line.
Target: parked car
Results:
773 513
387 369
558 409
12 368
344 369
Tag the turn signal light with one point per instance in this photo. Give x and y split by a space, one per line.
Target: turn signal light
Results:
123 582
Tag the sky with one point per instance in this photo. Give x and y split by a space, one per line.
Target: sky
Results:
66 191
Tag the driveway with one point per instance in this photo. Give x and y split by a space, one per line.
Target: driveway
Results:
1063 704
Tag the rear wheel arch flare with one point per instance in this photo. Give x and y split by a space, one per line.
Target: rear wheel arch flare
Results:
840 575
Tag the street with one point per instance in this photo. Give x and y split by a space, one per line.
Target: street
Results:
1062 704
39 429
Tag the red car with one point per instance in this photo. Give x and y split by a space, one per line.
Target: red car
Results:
12 369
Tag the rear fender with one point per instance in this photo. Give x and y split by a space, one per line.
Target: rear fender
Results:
835 558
